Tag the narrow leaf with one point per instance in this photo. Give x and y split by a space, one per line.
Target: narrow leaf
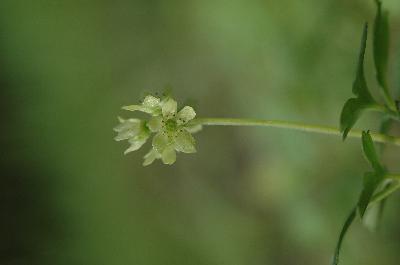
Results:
370 152
370 183
351 111
354 107
381 45
343 232
360 88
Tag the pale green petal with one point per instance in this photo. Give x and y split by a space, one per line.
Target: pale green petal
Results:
169 155
137 142
160 142
126 124
153 110
141 108
186 114
184 142
194 128
151 102
155 124
125 135
135 146
150 157
169 107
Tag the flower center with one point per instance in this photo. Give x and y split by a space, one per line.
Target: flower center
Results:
170 125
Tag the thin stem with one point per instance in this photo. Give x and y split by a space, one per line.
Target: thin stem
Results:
389 100
385 193
394 114
380 138
393 176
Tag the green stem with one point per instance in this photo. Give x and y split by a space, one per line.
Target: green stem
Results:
389 100
380 138
393 176
385 193
394 114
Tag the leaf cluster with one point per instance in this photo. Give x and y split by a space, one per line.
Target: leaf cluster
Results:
378 183
363 100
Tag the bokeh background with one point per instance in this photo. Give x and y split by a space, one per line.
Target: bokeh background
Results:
249 196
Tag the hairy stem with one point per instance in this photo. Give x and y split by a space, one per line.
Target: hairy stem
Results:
379 138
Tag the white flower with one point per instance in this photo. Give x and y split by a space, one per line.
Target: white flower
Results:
171 127
133 130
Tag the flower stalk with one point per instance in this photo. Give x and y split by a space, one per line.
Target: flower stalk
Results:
328 130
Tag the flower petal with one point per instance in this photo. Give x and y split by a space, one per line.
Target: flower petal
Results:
136 143
126 124
150 157
169 107
151 101
186 114
125 135
135 146
138 108
193 128
155 124
184 142
168 156
151 105
160 142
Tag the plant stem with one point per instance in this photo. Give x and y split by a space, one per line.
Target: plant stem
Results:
385 193
380 138
393 176
394 114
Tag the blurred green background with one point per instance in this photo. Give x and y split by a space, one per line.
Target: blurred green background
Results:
249 196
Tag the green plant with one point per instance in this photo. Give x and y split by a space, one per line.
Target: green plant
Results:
173 129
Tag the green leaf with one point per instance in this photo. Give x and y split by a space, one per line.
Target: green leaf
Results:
381 45
371 179
351 111
343 232
370 152
370 183
360 88
354 107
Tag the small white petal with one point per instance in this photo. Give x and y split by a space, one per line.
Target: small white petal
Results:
125 135
150 157
160 142
169 156
134 147
151 102
127 124
137 142
155 124
169 107
184 142
149 110
186 114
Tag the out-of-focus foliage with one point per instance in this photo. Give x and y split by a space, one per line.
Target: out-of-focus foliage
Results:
249 196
